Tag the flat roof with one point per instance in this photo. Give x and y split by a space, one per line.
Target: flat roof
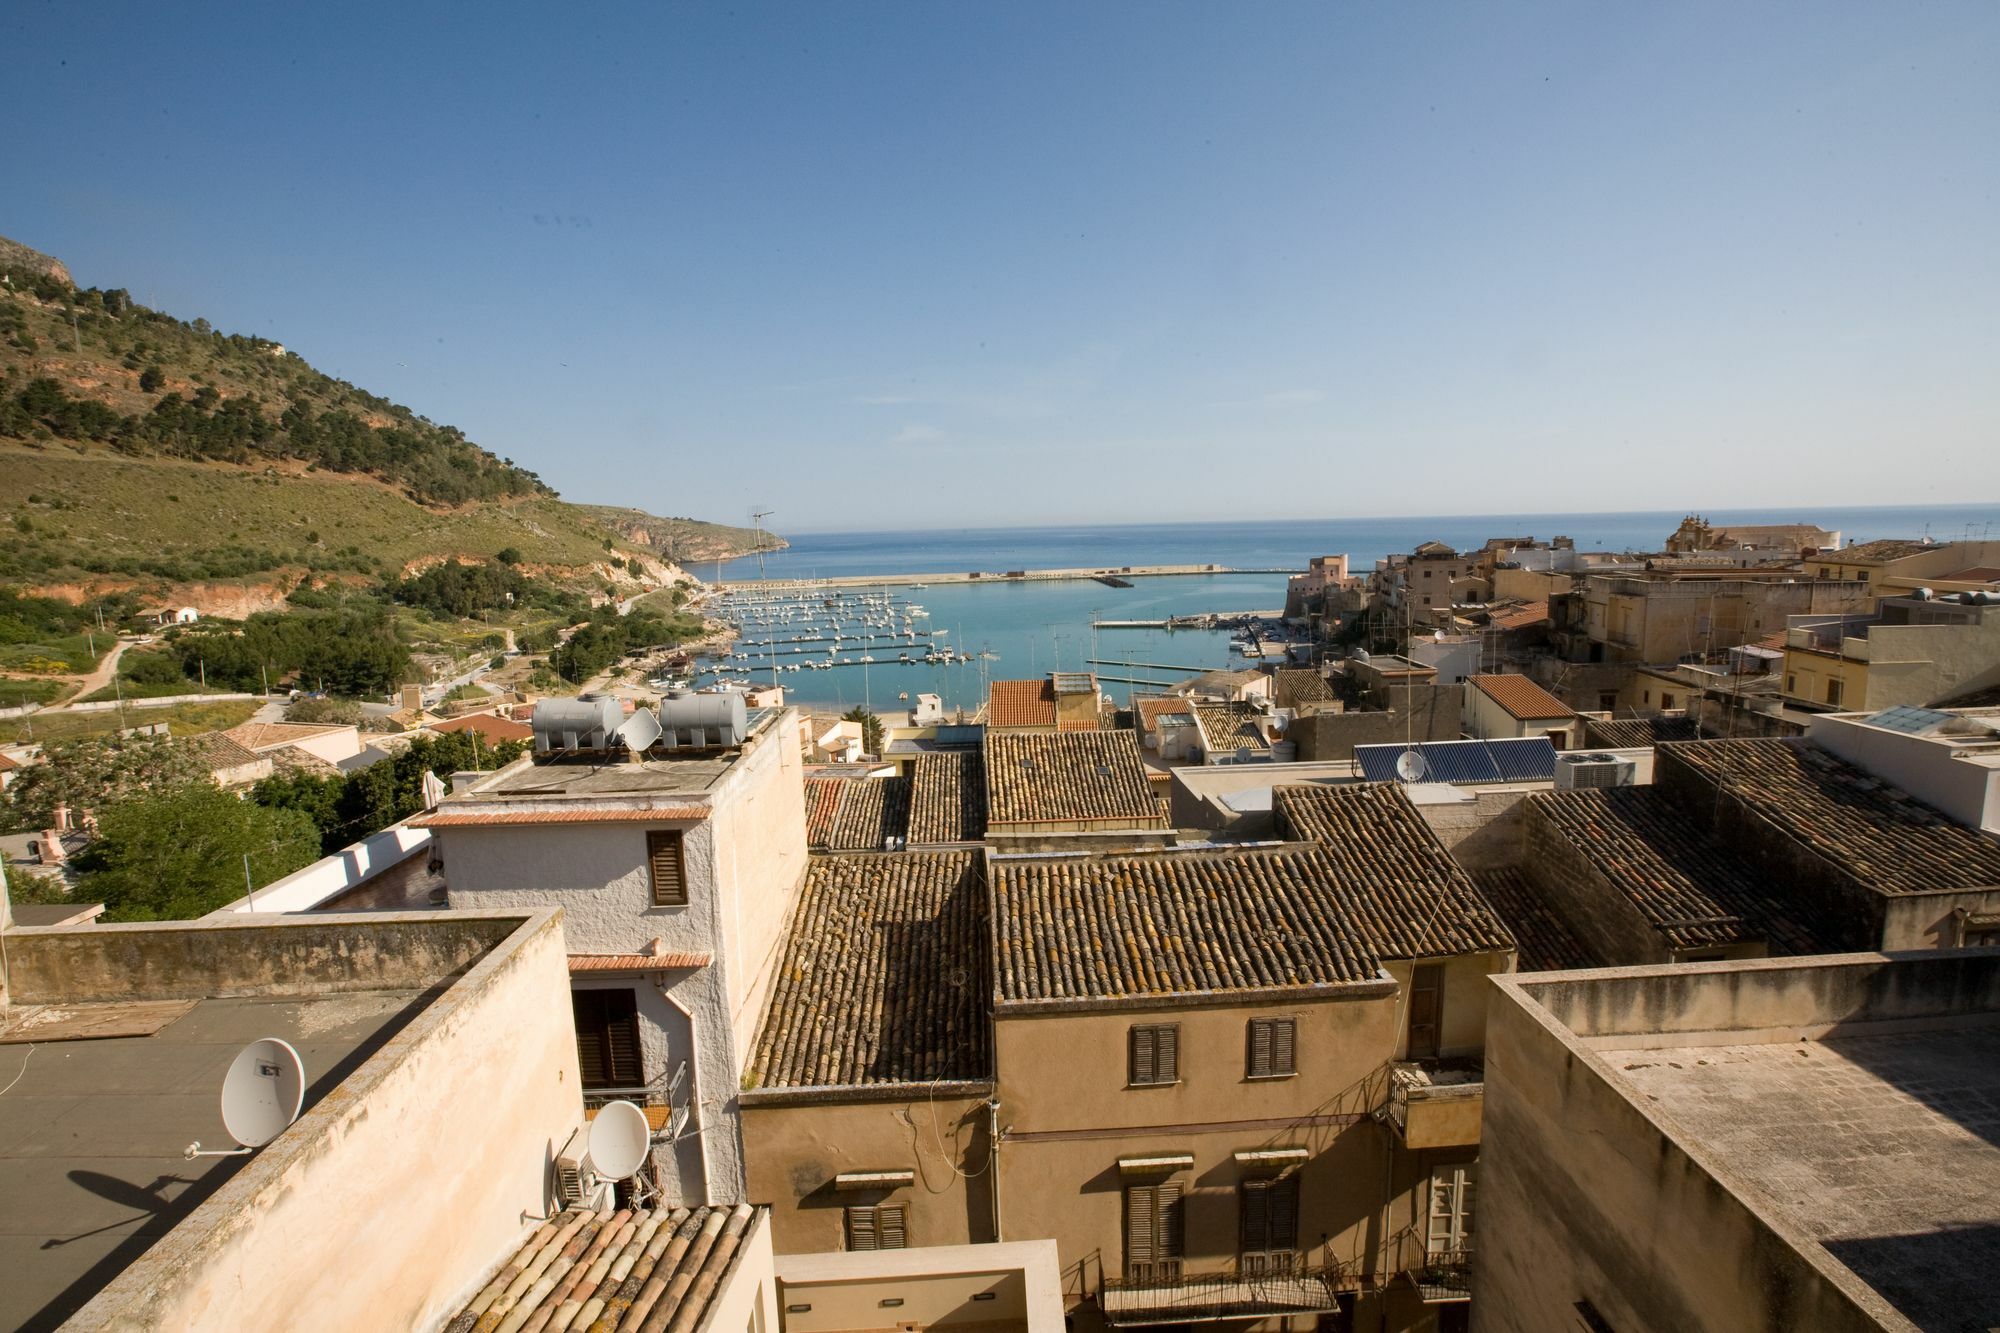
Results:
1885 1149
615 778
91 1136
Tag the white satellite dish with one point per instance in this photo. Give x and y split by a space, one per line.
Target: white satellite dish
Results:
261 1096
619 1140
640 730
1410 766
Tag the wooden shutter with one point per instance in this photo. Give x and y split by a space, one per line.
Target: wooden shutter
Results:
1283 1201
1141 1214
1143 1063
1256 1216
663 855
892 1227
1284 1046
861 1229
607 1038
1426 1009
1260 1048
1170 1230
1167 1060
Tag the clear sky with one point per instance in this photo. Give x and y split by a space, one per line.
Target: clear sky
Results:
919 265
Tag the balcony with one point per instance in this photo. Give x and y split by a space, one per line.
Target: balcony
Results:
1437 1103
1265 1286
666 1111
1444 1276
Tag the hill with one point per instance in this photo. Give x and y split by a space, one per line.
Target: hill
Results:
684 541
138 449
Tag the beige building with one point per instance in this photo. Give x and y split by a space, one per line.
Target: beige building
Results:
331 742
677 873
1663 616
1912 652
1769 1144
1500 707
1899 566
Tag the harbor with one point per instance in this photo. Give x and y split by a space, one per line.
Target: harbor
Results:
1111 576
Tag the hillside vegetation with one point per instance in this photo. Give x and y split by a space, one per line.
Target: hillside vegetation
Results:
685 541
138 446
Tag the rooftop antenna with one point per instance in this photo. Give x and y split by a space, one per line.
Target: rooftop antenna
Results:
757 517
261 1096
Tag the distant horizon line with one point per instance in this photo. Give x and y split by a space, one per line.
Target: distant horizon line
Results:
782 532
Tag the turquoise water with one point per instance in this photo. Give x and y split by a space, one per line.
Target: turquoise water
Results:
1040 627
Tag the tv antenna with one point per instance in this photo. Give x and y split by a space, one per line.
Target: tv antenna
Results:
261 1096
757 517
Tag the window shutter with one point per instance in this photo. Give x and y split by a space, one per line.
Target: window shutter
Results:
1284 1044
663 853
1260 1047
861 1230
892 1229
1168 1063
587 1010
621 1045
1426 1009
1256 1216
1142 1055
1171 1232
1283 1197
1139 1224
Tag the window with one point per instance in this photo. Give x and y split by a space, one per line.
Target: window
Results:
1646 696
1273 1047
607 1038
1607 703
1270 1213
1833 691
1449 1229
1154 1230
1426 1009
1155 1055
664 858
1862 575
1791 683
878 1226
1666 699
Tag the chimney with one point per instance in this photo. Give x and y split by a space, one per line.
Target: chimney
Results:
413 698
62 817
50 848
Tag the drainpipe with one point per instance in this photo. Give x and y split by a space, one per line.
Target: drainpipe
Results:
993 1158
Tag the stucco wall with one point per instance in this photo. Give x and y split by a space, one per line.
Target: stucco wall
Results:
748 1295
795 1150
1332 736
378 1208
1481 832
1969 793
759 832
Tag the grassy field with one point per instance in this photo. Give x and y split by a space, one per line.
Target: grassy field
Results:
67 656
184 719
18 690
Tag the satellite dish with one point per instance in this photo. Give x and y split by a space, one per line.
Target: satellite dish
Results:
1437 636
261 1096
619 1140
640 730
1410 766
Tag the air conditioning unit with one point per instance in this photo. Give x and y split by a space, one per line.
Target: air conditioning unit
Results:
1575 772
577 1185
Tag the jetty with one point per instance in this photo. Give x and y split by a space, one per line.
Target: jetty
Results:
1099 573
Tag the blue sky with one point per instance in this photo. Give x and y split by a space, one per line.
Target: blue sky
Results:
919 265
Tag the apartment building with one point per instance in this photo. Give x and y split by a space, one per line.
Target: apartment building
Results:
1663 616
1912 651
1765 1144
1898 566
676 869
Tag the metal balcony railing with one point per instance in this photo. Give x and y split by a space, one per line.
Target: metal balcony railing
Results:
1264 1285
1444 1275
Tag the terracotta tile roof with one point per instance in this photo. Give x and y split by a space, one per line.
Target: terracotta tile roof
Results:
1292 687
1021 703
1885 838
665 814
1692 891
1072 777
883 978
292 759
7 765
948 797
1627 733
1071 930
1545 940
219 751
1403 888
269 735
660 1267
1522 698
822 805
1775 641
639 962
1520 617
1889 548
1151 710
872 811
1226 729
489 725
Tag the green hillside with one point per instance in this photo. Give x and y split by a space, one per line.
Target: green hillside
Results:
135 446
682 540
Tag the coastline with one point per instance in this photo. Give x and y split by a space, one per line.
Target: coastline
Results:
986 576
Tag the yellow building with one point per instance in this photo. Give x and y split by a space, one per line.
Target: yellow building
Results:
1914 651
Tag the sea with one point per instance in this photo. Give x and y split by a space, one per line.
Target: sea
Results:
1022 630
